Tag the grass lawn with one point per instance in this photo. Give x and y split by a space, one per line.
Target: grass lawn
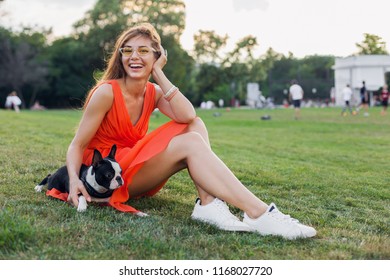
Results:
328 171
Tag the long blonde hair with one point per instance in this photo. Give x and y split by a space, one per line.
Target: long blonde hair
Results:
114 69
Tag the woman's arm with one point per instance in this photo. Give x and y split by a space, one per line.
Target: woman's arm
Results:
98 106
178 108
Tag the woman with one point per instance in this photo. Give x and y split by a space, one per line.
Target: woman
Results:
117 111
13 102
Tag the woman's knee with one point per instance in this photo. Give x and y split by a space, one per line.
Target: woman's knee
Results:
197 125
187 143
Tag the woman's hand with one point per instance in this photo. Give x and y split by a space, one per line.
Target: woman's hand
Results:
75 188
162 60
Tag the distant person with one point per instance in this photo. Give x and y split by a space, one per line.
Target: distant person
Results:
37 107
333 96
296 95
364 99
384 99
13 102
347 96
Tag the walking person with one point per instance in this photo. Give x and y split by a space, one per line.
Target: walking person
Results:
296 95
117 111
347 96
364 99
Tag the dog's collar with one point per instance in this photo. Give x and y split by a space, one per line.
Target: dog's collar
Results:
94 193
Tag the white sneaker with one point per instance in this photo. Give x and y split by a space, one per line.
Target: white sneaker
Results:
274 222
217 213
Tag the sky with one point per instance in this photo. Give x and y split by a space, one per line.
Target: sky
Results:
302 27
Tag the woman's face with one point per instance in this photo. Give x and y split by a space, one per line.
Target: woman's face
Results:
138 57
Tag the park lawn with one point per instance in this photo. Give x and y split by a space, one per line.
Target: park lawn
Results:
329 171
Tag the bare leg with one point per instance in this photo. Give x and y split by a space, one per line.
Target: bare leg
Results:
211 176
198 126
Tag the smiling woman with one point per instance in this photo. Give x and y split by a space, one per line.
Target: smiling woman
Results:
117 111
118 108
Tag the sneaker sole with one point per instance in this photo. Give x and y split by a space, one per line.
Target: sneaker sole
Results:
285 237
301 236
243 228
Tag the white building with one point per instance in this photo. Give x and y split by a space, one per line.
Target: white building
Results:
353 70
254 98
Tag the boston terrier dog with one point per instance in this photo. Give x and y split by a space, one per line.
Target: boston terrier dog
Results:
100 179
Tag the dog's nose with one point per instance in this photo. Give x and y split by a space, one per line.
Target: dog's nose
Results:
119 180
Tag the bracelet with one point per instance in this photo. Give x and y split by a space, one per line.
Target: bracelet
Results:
172 95
170 91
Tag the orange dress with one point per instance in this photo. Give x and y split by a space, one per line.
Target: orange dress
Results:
134 145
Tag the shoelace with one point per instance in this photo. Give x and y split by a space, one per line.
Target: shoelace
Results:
283 217
225 209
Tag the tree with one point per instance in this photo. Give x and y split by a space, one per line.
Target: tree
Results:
242 68
22 62
71 72
312 72
316 73
243 52
208 45
78 59
372 44
225 77
209 77
111 17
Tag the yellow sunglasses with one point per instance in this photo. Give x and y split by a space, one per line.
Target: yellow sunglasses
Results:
141 51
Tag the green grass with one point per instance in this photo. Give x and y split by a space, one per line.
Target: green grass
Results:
326 170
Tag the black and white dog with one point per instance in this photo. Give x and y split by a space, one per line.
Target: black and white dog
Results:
100 179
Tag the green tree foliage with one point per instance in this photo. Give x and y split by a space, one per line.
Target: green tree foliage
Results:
23 65
243 68
208 45
70 72
312 72
101 25
209 78
243 51
60 74
237 68
88 49
372 44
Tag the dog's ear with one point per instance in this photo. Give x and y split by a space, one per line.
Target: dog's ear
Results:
97 157
112 152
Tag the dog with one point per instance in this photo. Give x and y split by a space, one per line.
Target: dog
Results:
100 179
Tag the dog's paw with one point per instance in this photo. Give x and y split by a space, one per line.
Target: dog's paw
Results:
38 188
82 204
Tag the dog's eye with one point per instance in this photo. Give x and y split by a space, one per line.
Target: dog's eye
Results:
109 176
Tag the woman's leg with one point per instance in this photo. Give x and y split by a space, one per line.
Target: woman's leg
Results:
211 176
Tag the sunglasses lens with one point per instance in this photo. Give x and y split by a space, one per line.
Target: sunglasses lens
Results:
126 51
143 51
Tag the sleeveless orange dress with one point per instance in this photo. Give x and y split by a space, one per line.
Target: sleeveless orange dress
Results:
134 145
